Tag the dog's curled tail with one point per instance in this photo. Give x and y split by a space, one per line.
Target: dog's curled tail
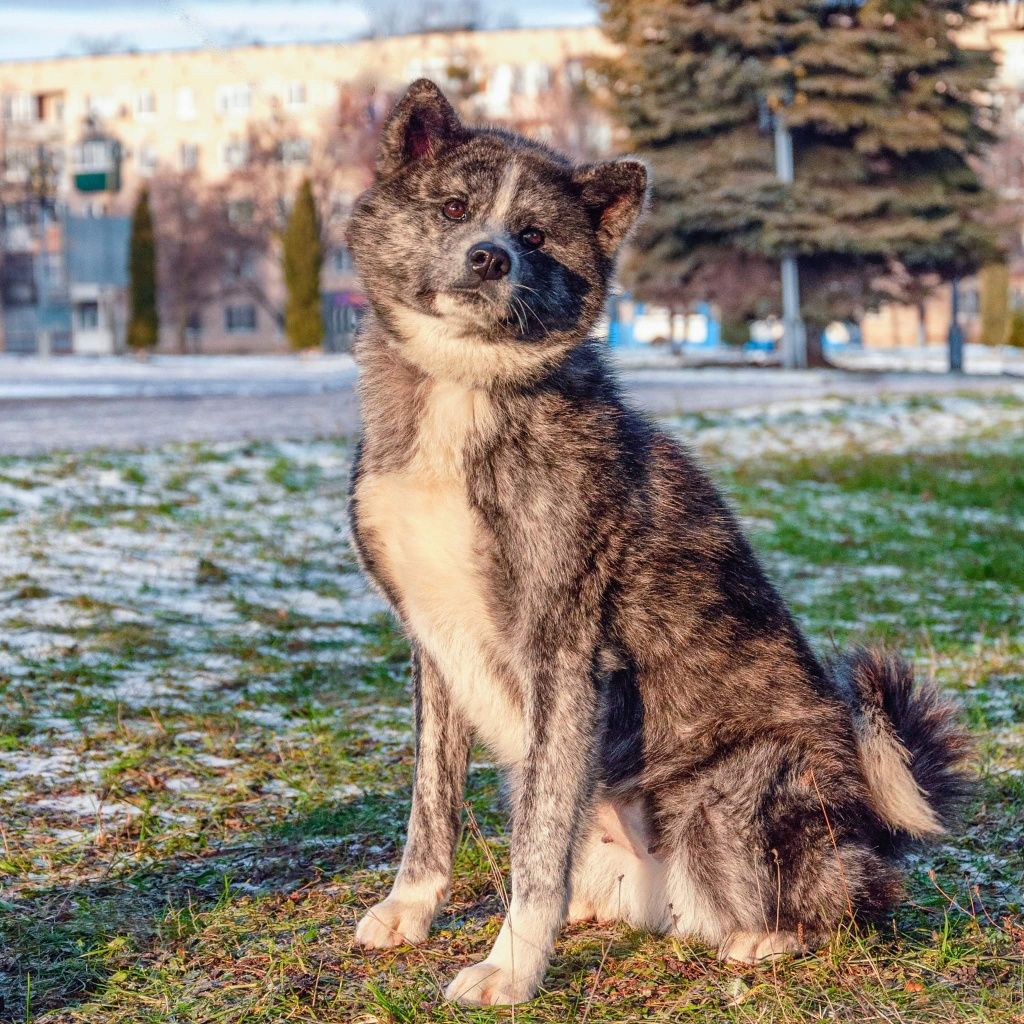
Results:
913 748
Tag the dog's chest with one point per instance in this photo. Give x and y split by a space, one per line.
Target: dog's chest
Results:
432 546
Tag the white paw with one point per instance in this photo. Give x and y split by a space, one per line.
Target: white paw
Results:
395 922
753 947
489 984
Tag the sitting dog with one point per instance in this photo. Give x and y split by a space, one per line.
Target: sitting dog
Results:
579 597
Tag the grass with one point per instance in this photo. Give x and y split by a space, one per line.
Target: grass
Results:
206 751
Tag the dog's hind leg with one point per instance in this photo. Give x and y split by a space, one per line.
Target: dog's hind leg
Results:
754 947
773 853
616 877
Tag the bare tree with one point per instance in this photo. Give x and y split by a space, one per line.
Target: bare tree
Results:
567 112
99 46
398 17
220 240
190 267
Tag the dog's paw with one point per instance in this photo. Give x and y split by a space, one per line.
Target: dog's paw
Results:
754 947
489 984
395 922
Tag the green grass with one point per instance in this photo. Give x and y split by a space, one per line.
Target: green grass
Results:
206 752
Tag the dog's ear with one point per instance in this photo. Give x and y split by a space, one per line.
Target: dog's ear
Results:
614 195
422 124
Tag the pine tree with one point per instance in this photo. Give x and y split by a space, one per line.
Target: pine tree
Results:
303 258
144 320
881 103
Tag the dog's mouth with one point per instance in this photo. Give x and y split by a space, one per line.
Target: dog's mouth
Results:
503 315
474 297
474 303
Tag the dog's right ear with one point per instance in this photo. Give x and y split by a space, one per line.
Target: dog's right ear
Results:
422 124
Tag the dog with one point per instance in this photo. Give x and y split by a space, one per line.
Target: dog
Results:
579 597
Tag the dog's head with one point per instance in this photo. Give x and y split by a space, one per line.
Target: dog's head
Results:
485 255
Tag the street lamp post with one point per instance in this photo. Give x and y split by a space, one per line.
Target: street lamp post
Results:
794 335
956 332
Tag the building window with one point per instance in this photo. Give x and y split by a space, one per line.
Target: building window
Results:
240 265
52 266
240 319
235 153
18 165
87 316
21 107
95 155
234 99
145 103
295 94
247 267
101 106
186 103
536 79
52 107
17 280
342 259
188 156
293 151
240 212
147 160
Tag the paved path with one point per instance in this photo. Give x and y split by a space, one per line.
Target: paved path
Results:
61 405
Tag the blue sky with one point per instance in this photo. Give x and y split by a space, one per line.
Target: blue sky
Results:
47 28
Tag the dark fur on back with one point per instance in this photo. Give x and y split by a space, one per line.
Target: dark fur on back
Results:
627 651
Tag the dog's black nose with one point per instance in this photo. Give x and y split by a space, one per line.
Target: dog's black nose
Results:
490 261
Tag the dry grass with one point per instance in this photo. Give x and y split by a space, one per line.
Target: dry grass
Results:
205 738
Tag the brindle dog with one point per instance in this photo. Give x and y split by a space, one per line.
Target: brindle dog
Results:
580 598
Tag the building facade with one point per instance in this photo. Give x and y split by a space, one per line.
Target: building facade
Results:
221 138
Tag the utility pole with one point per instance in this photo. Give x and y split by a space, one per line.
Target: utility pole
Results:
956 332
794 335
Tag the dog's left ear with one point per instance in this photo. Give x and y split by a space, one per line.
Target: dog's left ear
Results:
614 195
422 124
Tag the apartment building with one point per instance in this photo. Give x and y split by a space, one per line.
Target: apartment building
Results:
79 136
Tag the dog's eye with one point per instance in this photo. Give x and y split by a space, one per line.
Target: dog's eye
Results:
533 237
454 209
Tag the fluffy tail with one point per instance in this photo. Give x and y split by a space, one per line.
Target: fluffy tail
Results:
912 746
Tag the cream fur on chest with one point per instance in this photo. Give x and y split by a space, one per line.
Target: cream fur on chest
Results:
432 546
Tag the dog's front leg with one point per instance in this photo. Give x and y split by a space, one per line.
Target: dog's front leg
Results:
551 796
442 756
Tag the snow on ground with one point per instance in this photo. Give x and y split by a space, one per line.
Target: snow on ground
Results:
33 377
987 359
178 624
817 426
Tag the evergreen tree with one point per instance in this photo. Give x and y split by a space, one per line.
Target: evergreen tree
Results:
881 103
303 258
144 320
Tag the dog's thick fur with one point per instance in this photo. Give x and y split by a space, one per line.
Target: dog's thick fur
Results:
580 598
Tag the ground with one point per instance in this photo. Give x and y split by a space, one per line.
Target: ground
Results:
205 746
77 404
